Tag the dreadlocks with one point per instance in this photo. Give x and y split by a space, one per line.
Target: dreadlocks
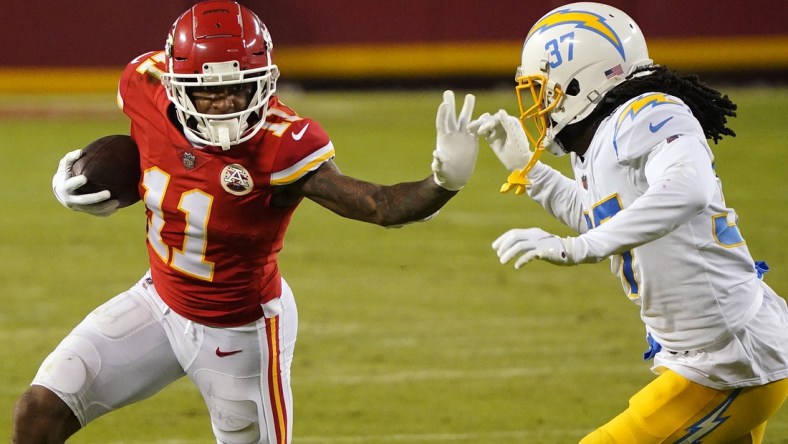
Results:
708 105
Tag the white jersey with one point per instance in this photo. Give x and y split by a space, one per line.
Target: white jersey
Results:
645 194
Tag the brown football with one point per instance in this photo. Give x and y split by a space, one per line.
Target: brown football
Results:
111 163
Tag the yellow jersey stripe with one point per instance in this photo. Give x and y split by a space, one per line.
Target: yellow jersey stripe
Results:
306 165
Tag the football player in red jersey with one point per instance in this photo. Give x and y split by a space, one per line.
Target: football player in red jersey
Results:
224 164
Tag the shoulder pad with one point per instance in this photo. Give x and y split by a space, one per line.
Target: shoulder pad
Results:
144 70
304 147
649 119
150 63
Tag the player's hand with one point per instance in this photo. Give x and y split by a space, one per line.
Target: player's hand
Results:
506 138
65 184
533 243
456 149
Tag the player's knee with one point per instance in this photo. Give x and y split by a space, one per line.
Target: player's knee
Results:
39 401
32 403
38 413
63 371
234 421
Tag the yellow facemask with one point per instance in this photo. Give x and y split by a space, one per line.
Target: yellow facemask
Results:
534 111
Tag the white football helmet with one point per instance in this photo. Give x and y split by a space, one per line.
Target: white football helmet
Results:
571 57
219 43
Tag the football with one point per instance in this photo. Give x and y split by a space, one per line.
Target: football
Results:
111 163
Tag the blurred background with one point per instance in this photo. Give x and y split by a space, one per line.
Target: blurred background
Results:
82 45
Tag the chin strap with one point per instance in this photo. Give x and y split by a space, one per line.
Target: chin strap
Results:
220 130
223 134
518 179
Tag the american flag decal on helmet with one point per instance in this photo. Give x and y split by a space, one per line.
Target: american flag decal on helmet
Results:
614 71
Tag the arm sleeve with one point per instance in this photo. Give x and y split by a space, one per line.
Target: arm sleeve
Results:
558 195
681 184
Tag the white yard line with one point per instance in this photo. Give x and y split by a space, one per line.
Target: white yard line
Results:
498 373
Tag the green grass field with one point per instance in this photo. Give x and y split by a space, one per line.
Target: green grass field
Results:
412 335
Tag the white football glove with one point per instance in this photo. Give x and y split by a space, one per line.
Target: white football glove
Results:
455 151
506 137
64 184
533 243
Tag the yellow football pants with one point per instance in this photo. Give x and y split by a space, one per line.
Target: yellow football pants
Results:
673 409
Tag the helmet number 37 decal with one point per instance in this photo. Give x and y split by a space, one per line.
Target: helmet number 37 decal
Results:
566 40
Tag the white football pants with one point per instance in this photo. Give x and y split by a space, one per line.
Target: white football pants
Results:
134 345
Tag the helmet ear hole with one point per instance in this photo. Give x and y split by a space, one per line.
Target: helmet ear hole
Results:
573 88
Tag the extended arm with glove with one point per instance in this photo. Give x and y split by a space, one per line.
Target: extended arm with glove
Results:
456 148
455 153
65 185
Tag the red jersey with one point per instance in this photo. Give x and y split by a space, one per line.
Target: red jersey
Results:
212 234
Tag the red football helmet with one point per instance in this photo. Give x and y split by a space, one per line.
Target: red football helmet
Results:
218 43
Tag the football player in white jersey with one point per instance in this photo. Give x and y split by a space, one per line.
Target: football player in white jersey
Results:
645 194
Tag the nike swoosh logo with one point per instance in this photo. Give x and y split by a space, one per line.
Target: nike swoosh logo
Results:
223 354
654 128
297 136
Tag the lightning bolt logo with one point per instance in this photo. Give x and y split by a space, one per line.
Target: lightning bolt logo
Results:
580 19
696 432
646 100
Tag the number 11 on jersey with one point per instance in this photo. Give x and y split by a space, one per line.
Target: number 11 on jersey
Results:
189 257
